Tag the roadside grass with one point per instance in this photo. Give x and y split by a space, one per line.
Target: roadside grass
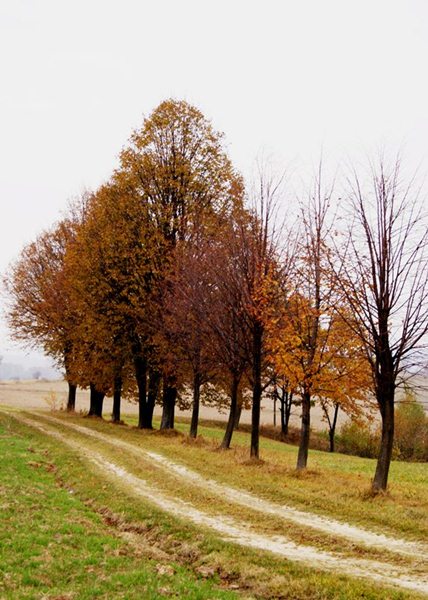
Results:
128 546
335 485
53 545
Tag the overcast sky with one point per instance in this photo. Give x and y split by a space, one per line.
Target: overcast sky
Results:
284 76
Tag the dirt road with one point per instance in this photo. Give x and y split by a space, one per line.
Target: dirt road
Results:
243 533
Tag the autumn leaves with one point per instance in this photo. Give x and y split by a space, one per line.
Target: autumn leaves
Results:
169 286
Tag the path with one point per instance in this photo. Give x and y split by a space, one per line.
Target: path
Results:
240 533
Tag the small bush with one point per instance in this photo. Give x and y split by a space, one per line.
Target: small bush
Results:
53 401
411 431
359 439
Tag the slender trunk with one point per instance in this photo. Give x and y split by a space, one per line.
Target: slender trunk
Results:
386 404
195 408
117 396
232 414
257 390
71 401
169 398
140 367
332 428
284 424
153 391
238 412
287 411
302 457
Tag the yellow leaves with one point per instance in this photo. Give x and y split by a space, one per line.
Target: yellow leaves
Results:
316 350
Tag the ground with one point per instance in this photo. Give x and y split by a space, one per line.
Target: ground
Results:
253 529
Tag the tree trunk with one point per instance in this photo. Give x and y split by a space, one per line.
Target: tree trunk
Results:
287 411
284 424
257 390
332 428
95 402
386 405
302 457
140 367
232 413
153 391
117 395
71 401
169 398
238 413
195 408
92 401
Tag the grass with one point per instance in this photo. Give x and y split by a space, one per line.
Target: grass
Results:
71 535
55 546
334 484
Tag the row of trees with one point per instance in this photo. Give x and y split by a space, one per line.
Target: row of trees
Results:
170 279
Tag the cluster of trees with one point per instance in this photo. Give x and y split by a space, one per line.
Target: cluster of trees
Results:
171 280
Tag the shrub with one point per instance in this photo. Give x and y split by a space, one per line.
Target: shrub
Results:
411 430
358 438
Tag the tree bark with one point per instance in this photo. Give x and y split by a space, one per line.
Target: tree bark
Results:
227 438
117 396
195 409
169 398
257 390
386 405
238 412
71 401
302 457
95 402
332 428
153 391
140 367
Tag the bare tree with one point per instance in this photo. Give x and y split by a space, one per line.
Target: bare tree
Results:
385 280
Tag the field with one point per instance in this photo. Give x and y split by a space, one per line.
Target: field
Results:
95 510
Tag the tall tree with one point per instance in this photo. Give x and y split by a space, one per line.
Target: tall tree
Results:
111 268
177 167
385 282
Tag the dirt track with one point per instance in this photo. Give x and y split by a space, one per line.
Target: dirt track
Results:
243 533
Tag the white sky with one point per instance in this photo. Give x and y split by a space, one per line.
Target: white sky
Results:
286 76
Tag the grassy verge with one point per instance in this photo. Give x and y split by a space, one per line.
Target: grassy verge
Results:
54 545
125 548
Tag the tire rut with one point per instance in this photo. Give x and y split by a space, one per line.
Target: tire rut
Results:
253 502
228 529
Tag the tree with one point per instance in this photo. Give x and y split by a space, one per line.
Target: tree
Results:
177 168
300 322
385 281
40 312
253 250
111 267
226 315
283 393
188 306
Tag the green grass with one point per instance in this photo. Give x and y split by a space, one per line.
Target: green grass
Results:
86 538
54 545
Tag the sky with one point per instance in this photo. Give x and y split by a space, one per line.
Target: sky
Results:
283 77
